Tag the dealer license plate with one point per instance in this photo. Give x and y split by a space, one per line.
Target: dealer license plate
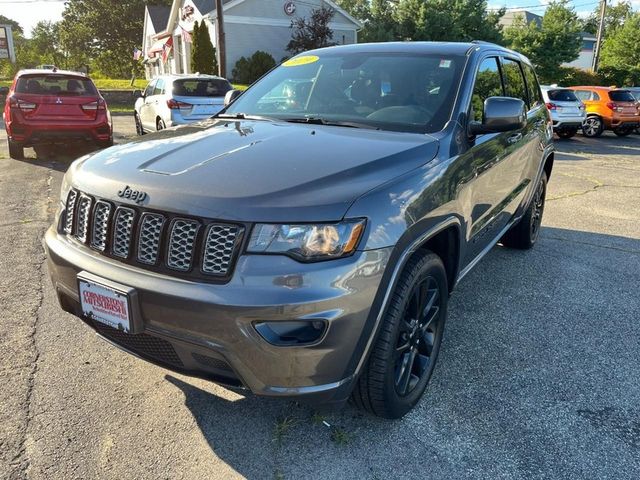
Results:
105 305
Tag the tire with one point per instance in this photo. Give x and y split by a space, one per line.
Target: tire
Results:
105 144
139 129
523 235
16 151
43 152
160 125
592 127
622 132
567 132
386 387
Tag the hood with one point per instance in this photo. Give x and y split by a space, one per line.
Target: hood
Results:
253 170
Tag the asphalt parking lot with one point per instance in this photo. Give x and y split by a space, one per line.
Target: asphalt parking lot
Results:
538 376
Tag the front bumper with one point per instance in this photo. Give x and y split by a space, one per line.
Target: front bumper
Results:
207 330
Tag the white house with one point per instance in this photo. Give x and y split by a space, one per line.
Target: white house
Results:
250 25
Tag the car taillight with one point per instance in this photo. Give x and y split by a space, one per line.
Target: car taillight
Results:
173 104
614 106
551 106
97 105
21 104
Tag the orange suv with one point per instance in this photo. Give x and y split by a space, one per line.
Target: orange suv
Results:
608 108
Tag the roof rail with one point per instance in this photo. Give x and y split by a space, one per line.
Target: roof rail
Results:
482 42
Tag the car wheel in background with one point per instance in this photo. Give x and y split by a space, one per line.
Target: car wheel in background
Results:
44 152
160 125
567 132
592 127
622 131
523 235
139 129
105 144
16 151
406 349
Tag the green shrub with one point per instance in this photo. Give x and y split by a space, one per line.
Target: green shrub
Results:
576 76
248 70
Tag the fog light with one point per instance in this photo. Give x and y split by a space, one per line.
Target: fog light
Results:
298 332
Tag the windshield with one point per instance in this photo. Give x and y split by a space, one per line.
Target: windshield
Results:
562 96
401 92
55 85
195 87
621 96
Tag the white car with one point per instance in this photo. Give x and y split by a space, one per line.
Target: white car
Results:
567 111
172 100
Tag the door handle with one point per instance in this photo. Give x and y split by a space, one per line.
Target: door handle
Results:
514 138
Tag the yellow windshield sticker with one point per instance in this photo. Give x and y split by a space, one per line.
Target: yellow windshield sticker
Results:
296 62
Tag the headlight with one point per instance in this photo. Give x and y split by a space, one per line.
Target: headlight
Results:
307 242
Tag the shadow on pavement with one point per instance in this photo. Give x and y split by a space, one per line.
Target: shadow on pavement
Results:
534 339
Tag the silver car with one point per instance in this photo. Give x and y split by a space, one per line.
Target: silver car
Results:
173 100
567 111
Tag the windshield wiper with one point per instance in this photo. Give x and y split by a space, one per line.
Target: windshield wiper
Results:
334 123
244 116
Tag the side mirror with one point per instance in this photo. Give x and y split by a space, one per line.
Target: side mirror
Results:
137 94
231 96
4 90
501 114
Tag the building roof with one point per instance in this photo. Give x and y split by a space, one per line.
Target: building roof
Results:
510 16
159 15
207 6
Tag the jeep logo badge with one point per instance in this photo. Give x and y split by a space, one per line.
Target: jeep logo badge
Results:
135 195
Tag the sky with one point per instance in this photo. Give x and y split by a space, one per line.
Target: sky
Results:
30 12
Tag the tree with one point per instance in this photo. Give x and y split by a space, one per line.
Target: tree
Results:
620 57
436 20
248 70
614 17
15 26
45 41
203 55
312 33
556 41
103 33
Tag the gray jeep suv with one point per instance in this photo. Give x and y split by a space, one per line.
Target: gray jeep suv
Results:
304 242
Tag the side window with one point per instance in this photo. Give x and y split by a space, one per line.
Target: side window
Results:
583 95
513 80
488 84
159 89
595 96
149 90
533 87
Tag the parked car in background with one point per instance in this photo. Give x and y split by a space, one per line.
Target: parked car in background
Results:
567 112
608 108
635 91
314 257
48 107
172 100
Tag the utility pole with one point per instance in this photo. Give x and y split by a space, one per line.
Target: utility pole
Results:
596 53
222 47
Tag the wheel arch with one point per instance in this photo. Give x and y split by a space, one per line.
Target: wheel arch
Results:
548 164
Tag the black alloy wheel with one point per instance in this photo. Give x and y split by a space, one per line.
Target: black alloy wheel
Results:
405 351
420 327
523 235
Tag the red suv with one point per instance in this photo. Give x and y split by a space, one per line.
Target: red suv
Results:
46 107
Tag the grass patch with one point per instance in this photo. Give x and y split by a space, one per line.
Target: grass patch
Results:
121 109
283 425
340 436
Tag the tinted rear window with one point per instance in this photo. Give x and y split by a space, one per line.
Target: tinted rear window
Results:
562 95
201 88
51 84
621 96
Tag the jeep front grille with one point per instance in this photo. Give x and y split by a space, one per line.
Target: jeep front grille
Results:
159 241
82 218
122 229
101 214
149 240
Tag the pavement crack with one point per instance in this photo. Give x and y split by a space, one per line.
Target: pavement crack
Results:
21 459
606 247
